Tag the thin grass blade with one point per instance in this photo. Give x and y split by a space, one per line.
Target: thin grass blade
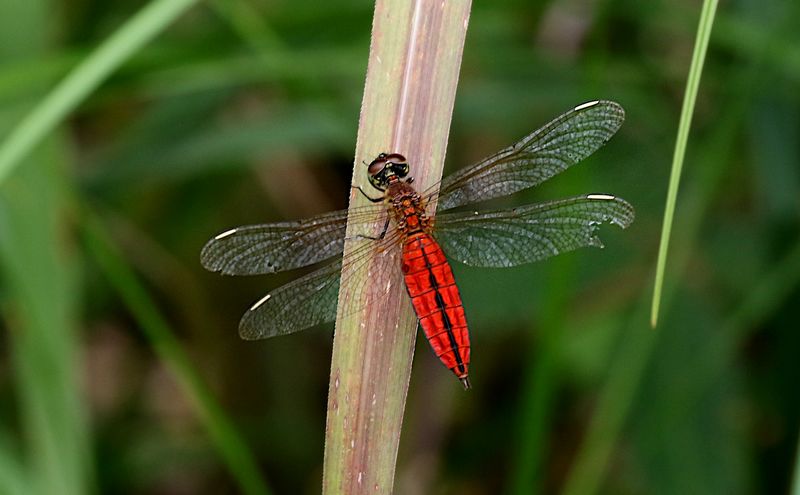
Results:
224 435
690 96
85 78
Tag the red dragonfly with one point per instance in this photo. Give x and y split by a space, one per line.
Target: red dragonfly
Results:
502 238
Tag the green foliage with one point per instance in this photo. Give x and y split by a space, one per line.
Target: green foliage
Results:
245 111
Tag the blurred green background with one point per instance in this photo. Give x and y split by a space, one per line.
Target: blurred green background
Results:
121 370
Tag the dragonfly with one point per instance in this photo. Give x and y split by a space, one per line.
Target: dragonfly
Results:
411 237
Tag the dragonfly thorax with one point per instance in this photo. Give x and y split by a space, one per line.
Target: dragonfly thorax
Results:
407 207
387 168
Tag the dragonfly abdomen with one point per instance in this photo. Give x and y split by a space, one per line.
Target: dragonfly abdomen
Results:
434 294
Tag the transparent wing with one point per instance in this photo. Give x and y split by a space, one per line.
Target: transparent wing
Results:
529 233
504 238
542 154
274 247
268 248
312 299
258 249
302 303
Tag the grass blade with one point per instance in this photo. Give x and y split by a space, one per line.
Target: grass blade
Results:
619 392
796 475
85 78
231 446
40 284
692 85
408 102
12 475
541 382
41 315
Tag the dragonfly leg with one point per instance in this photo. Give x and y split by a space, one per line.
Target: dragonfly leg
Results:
371 238
374 200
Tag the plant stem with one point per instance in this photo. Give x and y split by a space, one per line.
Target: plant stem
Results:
408 101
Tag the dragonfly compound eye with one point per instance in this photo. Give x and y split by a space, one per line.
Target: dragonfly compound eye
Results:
376 165
384 166
400 168
376 172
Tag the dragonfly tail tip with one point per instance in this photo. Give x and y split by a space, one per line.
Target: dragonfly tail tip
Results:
465 382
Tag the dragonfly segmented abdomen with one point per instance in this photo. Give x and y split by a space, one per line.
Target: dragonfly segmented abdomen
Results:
435 297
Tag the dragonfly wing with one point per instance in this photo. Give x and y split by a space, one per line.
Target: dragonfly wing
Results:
542 154
268 248
312 299
529 233
300 304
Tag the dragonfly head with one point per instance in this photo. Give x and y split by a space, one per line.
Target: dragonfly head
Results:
384 167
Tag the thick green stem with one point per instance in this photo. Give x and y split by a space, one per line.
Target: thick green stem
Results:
408 101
